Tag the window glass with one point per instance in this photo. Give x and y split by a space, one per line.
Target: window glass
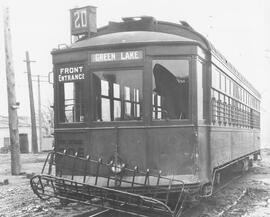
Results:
118 95
116 91
222 82
232 88
256 104
200 89
71 102
240 94
136 103
170 89
105 109
215 78
127 93
104 88
117 110
236 90
228 82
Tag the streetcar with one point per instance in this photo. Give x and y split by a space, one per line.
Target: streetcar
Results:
147 114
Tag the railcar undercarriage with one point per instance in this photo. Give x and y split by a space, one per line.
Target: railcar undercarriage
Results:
76 179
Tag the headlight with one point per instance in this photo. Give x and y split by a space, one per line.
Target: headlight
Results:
117 165
117 168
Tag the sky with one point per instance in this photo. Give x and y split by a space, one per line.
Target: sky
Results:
240 30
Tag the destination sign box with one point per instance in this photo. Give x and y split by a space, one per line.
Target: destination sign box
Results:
83 20
117 56
71 73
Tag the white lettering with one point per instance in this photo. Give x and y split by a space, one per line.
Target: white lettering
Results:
131 55
118 56
77 19
71 74
136 54
104 57
122 56
80 19
71 70
83 18
81 68
76 70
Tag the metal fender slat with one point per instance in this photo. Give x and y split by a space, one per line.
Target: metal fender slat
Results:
85 180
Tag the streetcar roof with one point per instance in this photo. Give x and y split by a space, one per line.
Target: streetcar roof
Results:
157 32
131 37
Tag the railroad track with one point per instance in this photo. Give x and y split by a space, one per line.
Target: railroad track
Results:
222 186
192 211
102 212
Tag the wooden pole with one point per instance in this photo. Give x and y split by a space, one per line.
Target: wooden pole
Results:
39 115
32 106
12 104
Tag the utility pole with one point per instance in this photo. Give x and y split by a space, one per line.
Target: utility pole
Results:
39 114
38 80
12 104
32 106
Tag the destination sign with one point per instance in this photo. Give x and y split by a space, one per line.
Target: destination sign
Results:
117 56
71 73
83 20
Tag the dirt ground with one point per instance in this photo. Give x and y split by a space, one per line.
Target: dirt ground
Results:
248 196
17 198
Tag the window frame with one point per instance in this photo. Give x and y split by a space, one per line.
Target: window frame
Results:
113 99
57 94
243 106
191 84
61 111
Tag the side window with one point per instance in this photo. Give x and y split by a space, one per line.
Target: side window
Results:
222 82
228 86
215 78
105 101
71 102
170 96
200 90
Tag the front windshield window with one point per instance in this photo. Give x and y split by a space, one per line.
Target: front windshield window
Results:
117 95
71 102
170 97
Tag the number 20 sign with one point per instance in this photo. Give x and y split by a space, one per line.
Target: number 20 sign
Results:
83 20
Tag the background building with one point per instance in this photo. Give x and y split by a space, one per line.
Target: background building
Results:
25 134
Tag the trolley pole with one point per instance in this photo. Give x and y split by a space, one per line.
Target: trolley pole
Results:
12 104
32 106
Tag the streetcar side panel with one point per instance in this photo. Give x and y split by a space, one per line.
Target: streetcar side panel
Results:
220 148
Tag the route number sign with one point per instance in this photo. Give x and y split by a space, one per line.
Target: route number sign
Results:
83 20
80 19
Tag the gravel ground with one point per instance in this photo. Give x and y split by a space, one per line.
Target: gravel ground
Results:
248 196
17 198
